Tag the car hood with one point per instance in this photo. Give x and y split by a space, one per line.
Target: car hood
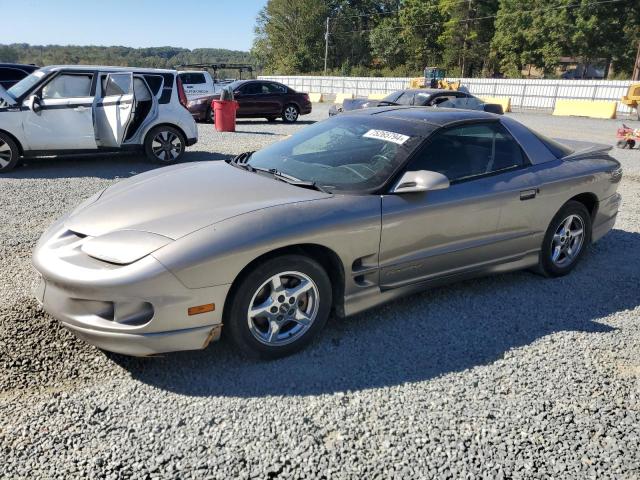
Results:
175 201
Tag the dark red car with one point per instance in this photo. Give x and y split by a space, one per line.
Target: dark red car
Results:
258 99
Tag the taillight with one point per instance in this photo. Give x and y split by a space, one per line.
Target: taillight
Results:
181 95
306 96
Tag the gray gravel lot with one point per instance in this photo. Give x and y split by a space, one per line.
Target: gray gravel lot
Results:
512 376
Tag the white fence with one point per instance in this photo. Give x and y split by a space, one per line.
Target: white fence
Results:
524 93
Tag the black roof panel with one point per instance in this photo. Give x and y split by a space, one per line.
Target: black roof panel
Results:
435 116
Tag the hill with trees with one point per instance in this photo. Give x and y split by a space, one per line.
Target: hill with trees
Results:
156 57
467 37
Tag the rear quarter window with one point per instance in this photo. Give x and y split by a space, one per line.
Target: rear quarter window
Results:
154 82
557 149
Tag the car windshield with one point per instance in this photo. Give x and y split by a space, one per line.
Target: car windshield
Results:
347 153
234 85
392 97
25 84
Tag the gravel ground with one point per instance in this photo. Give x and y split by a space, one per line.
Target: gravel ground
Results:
513 376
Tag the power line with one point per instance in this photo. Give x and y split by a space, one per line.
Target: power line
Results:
466 20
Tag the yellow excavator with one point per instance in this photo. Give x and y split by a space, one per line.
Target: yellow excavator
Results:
632 98
434 78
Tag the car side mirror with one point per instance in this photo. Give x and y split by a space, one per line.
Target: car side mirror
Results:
493 108
237 93
420 181
33 102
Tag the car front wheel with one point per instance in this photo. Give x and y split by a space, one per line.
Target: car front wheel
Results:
566 240
9 154
165 145
290 113
279 307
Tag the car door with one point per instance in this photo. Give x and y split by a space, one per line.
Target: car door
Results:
114 108
454 230
274 98
247 97
59 115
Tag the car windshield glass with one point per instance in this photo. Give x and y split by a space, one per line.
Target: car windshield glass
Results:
25 84
392 97
346 153
235 85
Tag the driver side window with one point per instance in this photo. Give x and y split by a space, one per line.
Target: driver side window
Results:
67 86
469 151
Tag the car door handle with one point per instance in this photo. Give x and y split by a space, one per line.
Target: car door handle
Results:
528 194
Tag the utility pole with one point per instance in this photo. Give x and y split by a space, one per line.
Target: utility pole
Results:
326 46
636 66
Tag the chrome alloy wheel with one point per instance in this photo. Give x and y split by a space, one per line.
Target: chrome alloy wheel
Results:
567 241
283 308
166 146
5 154
291 113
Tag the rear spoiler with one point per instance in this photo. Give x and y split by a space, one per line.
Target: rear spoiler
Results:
588 151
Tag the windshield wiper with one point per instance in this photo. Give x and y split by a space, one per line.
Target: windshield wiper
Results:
241 160
291 180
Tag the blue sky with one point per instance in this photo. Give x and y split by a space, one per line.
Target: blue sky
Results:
134 23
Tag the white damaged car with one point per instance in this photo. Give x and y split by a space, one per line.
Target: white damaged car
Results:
83 109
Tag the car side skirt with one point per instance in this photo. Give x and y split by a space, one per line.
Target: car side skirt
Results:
375 296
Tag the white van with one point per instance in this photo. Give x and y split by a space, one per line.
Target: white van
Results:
80 109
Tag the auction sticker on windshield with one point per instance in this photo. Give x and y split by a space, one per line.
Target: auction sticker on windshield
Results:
387 136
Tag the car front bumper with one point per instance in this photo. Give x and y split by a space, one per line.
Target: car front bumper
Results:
137 309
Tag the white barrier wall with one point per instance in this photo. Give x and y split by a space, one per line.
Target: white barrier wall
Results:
524 93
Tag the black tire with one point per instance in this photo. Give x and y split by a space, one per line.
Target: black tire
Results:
244 330
547 266
290 113
271 119
9 153
164 155
631 143
209 117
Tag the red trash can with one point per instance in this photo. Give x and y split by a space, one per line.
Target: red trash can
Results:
224 114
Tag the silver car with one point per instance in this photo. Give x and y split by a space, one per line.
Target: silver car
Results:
344 215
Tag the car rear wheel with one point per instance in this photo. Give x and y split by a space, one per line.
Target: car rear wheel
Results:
9 153
566 240
165 145
279 307
209 116
290 113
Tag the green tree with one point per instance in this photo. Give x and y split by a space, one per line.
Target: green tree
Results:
422 22
604 32
387 45
536 36
466 35
8 55
290 36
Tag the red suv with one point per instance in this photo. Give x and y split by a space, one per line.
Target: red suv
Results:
258 99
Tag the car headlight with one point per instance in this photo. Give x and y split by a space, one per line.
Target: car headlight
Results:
123 247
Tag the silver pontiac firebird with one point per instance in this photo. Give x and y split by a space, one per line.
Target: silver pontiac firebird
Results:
344 215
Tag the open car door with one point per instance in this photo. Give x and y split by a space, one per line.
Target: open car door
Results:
114 108
5 99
